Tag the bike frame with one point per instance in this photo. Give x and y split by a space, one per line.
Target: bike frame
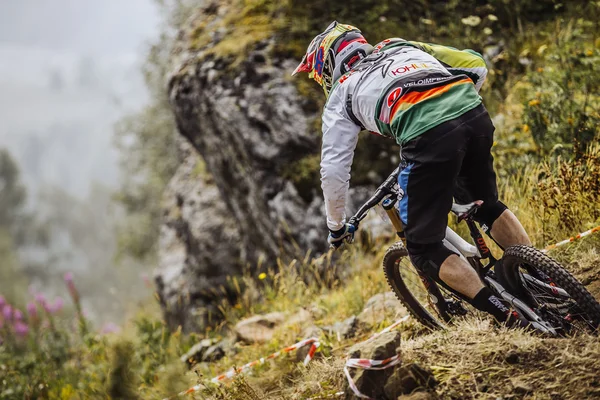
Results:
473 255
387 196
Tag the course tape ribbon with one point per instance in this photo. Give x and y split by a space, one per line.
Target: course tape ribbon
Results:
572 239
314 342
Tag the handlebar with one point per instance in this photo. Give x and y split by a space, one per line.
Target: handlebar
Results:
386 188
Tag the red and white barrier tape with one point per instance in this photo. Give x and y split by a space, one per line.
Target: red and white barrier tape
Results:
389 328
314 342
572 239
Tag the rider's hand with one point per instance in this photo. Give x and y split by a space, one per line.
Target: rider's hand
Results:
345 234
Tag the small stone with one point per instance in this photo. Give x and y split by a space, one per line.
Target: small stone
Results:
196 352
380 307
212 75
302 317
343 330
312 331
372 382
512 357
521 387
213 353
260 328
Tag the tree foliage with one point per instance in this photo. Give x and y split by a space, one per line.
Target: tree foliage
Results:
147 142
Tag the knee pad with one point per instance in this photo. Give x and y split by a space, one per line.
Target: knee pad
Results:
429 257
488 213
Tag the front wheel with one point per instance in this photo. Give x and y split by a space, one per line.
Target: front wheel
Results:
550 290
431 305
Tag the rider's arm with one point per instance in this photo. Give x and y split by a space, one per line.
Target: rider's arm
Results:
340 136
467 62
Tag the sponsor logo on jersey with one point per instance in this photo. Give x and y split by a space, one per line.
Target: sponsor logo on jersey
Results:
395 95
403 69
386 108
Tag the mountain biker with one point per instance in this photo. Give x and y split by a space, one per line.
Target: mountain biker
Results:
425 96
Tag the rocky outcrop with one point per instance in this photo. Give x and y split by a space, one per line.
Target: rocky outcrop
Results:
249 126
197 250
245 118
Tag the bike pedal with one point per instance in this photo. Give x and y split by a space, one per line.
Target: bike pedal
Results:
455 308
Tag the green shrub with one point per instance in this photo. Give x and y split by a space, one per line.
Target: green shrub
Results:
562 110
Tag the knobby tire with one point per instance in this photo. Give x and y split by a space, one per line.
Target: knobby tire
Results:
392 273
516 256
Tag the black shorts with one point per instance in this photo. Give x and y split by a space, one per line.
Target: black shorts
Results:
451 160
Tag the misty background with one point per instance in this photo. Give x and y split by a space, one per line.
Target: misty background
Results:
69 70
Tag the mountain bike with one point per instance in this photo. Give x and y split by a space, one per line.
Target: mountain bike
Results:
537 287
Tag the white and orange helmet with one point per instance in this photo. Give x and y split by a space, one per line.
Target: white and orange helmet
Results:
332 53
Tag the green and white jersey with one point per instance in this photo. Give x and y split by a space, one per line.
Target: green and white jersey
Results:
401 90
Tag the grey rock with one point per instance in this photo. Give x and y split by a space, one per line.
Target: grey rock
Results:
372 383
259 328
521 387
408 379
213 353
197 352
380 307
312 331
345 329
196 252
301 318
249 124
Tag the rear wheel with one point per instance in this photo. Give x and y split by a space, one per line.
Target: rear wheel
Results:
425 300
550 290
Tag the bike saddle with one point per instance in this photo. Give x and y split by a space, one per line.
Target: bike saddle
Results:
464 211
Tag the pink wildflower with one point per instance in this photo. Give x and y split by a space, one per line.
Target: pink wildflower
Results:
18 315
146 280
21 329
57 305
7 312
32 310
110 328
71 286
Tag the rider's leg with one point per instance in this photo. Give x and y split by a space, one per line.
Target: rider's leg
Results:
508 231
460 276
456 272
435 160
437 260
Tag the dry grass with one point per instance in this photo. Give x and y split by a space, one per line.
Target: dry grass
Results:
476 361
472 360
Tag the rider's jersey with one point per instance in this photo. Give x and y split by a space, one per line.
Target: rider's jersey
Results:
401 90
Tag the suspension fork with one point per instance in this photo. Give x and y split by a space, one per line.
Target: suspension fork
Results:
392 213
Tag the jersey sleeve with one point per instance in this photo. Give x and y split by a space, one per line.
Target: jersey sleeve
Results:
467 62
340 136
